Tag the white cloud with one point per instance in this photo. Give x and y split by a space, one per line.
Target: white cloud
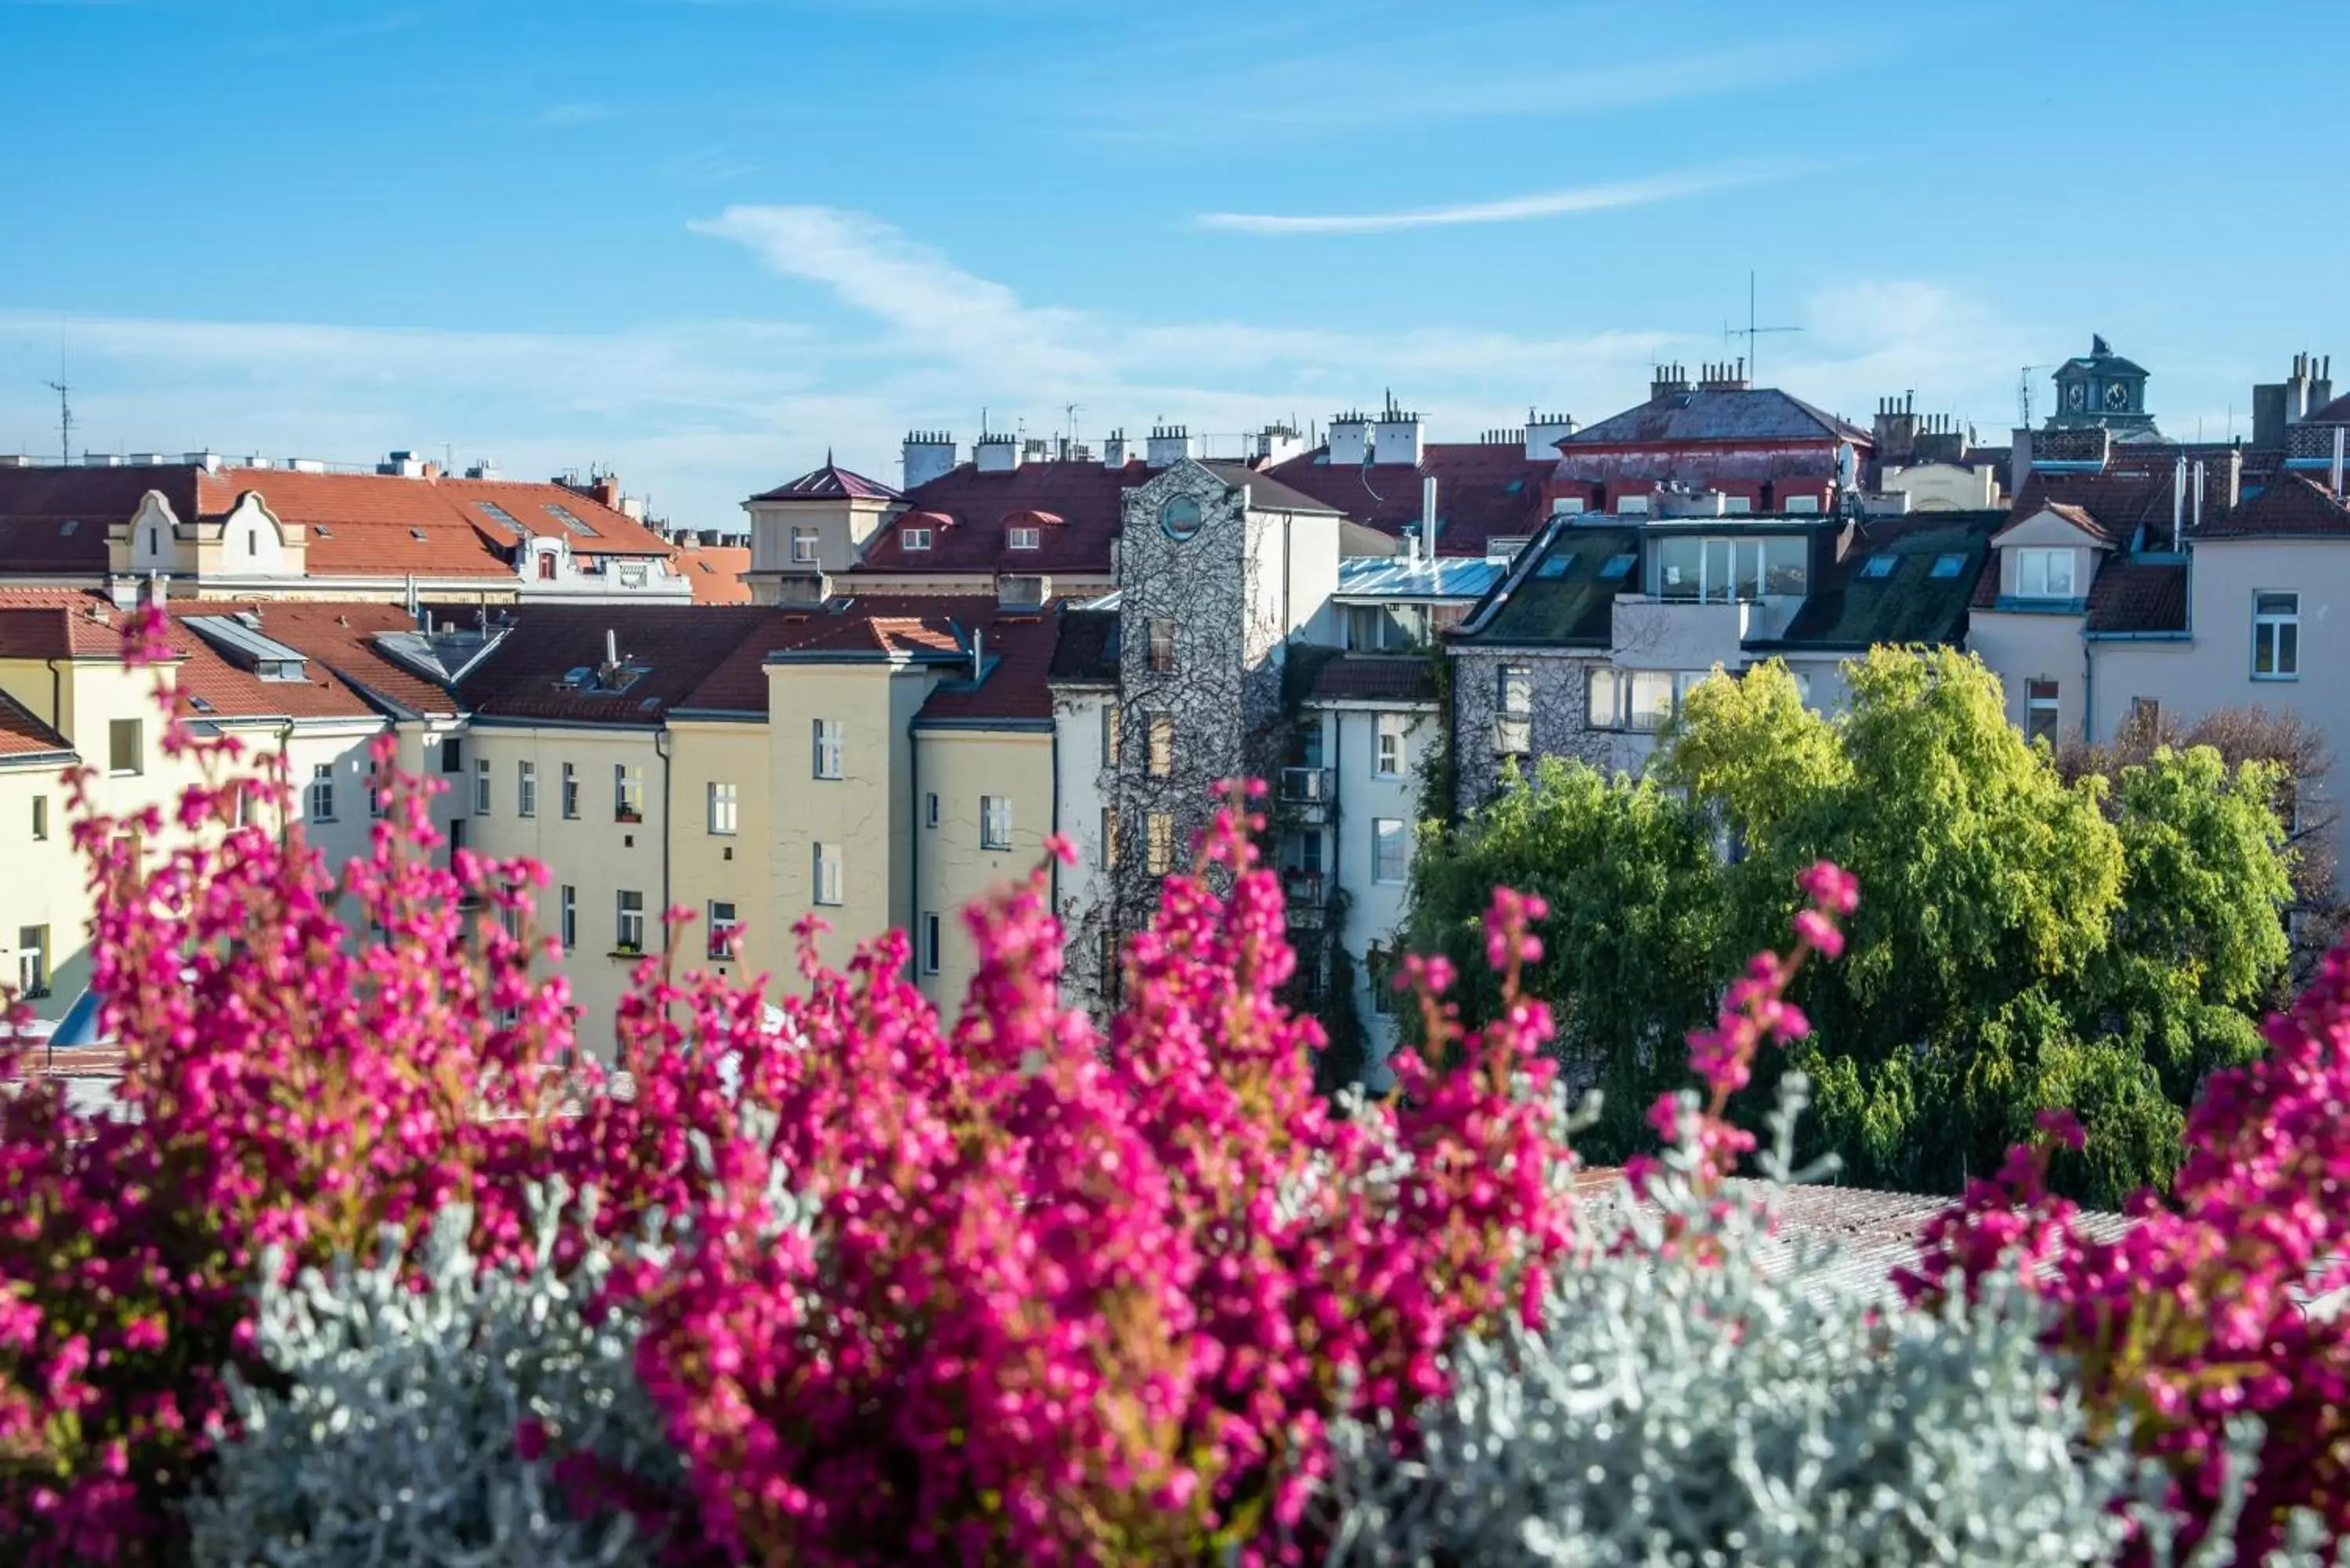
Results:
701 413
1512 210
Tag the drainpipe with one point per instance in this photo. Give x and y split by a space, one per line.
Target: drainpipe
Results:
57 699
1053 862
298 801
914 840
669 821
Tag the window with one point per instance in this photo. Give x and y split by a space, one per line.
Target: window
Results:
1639 700
481 786
1163 745
929 942
629 930
1617 569
1386 628
2146 716
914 538
498 515
827 749
453 756
322 793
124 747
1379 967
1023 539
2276 637
723 925
1161 857
1301 850
1390 764
547 565
803 546
525 789
995 821
826 873
1723 571
40 818
1948 566
931 810
1390 850
628 793
722 808
375 790
570 791
565 515
1162 648
33 960
510 911
1109 734
2040 710
2043 574
1878 568
456 837
1108 840
570 917
1516 693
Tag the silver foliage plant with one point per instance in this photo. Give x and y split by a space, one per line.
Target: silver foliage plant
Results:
394 1441
1676 1411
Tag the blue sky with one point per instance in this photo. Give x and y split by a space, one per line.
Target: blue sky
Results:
700 242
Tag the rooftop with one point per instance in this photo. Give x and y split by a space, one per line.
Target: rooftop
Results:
1699 415
1482 491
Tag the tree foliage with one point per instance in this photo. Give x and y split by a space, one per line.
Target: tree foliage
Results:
2031 935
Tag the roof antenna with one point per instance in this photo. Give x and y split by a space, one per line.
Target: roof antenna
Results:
65 417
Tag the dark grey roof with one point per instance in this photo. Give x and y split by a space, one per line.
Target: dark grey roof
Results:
1756 413
1264 491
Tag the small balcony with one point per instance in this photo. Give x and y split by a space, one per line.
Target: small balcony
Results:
1308 792
1307 896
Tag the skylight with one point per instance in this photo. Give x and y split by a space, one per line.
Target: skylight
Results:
1878 568
1556 566
1948 566
1616 569
565 515
416 533
200 704
66 529
499 515
320 530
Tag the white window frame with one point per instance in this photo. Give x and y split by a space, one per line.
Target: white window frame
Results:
1027 538
320 799
722 927
525 789
913 538
481 786
117 731
1514 691
2036 573
1391 755
931 809
825 756
568 926
1159 650
627 793
804 545
2269 626
826 875
995 821
570 793
627 921
1390 851
2043 711
33 960
724 811
40 819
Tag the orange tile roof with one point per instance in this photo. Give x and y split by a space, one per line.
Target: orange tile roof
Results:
23 736
715 573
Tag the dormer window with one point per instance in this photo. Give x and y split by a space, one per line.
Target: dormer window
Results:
2043 574
914 538
1023 538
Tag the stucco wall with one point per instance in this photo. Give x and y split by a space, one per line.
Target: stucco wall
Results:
2023 646
734 869
956 868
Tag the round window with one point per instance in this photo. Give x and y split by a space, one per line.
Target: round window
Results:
1180 516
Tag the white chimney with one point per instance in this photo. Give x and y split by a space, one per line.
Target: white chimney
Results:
611 649
928 455
2339 432
1116 453
2178 506
995 455
207 460
1427 512
2199 498
1544 433
978 655
1350 439
1278 443
1168 445
1396 438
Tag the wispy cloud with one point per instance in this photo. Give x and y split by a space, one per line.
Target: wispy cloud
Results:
1511 209
562 116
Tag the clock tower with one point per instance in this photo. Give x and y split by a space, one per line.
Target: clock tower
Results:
2101 389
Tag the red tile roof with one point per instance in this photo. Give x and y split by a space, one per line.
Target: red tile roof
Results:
1482 491
974 510
2292 505
715 573
23 736
831 481
2131 492
1703 416
356 524
230 690
1017 648
676 647
2079 517
59 623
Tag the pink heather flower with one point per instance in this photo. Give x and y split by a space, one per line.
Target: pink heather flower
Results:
1819 933
1059 847
2064 1125
1831 887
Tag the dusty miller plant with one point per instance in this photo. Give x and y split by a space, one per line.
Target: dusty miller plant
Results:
424 1405
1682 1406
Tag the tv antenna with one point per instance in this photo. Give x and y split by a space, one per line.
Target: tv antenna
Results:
1071 412
64 421
2023 395
1750 331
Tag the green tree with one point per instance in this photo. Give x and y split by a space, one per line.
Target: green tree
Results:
1631 952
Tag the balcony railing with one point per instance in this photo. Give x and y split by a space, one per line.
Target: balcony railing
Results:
1307 786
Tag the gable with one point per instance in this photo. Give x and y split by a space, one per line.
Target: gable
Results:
2049 527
